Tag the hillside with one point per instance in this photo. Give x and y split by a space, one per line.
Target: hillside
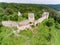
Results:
56 7
13 8
45 33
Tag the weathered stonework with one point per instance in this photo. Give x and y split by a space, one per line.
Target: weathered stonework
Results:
9 23
26 23
31 17
19 13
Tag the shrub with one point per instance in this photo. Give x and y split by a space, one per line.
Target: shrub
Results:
25 15
50 22
0 24
57 25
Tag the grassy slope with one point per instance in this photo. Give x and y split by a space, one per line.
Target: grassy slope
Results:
39 36
57 36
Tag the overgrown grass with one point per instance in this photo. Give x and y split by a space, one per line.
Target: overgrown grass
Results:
42 35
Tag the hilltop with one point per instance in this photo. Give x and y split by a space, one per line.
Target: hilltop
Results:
45 33
11 9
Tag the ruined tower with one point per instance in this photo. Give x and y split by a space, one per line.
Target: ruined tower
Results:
31 17
45 14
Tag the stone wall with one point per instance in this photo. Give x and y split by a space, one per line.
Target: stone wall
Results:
25 24
9 23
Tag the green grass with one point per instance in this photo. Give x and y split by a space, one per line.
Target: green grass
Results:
56 36
42 35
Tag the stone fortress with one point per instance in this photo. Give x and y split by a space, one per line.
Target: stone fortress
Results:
26 24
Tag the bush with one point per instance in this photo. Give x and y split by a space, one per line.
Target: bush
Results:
50 22
57 25
9 11
0 24
25 15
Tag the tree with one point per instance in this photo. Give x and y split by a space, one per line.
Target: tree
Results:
5 17
9 11
25 15
1 10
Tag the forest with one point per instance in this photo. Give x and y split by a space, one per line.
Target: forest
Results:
45 33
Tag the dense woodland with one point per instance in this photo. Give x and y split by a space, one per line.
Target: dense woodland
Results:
56 6
45 33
